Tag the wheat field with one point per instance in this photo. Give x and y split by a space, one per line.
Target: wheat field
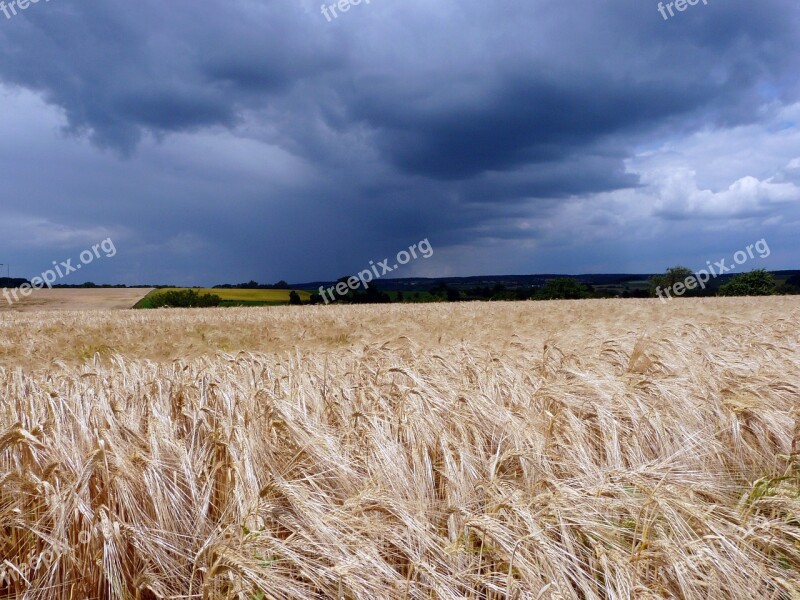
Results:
548 450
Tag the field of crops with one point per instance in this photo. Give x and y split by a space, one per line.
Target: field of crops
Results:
242 297
62 299
543 450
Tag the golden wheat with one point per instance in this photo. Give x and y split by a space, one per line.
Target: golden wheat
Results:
581 450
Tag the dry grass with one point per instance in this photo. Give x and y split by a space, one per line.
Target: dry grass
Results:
65 299
583 450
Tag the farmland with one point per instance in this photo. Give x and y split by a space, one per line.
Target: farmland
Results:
545 450
238 297
62 299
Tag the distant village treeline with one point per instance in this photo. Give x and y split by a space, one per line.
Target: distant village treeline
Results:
510 287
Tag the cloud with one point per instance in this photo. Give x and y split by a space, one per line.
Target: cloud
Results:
680 198
35 233
285 146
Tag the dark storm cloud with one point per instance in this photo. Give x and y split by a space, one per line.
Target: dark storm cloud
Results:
526 122
121 69
125 68
622 72
410 118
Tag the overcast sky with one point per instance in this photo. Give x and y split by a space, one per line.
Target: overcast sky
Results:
227 141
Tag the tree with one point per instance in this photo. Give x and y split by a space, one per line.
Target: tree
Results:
754 283
673 275
294 298
182 299
564 288
12 282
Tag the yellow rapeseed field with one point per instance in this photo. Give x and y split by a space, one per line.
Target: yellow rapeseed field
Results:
244 295
548 450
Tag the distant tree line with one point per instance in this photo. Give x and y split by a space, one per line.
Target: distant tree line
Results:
561 288
676 279
680 281
12 282
554 289
754 283
89 284
371 295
